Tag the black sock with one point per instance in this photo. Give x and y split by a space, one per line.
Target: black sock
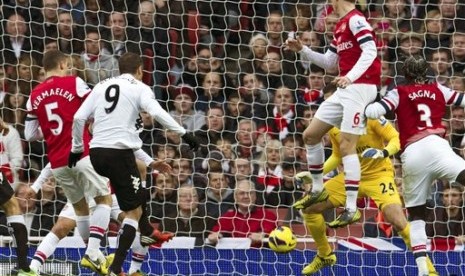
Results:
19 232
125 239
145 227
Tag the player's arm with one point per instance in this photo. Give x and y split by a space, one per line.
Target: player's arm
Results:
335 159
388 133
388 103
452 97
79 121
15 149
32 130
151 106
45 174
160 166
364 34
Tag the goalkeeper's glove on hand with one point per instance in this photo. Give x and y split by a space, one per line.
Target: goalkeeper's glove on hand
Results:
191 141
375 153
73 158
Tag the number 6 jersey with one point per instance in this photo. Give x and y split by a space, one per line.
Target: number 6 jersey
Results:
51 106
419 109
115 105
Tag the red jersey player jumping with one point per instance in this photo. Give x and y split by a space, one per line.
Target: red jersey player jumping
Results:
426 156
353 52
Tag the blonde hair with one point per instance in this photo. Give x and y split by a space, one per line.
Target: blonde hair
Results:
255 38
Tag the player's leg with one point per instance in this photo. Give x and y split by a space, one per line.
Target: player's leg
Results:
315 223
15 220
382 189
354 99
65 224
326 116
121 168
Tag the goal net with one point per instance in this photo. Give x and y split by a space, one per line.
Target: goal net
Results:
223 71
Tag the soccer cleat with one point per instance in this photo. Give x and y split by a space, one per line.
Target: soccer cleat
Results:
310 198
138 273
345 218
95 266
319 263
155 237
109 261
27 273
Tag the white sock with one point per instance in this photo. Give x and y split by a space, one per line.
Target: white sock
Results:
98 225
138 254
418 239
45 250
315 160
352 179
83 224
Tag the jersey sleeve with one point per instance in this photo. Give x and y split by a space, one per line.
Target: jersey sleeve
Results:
151 106
32 127
390 102
82 89
143 156
80 117
452 97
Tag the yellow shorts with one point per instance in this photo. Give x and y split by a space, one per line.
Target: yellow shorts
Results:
380 187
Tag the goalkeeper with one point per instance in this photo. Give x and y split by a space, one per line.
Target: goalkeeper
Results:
377 182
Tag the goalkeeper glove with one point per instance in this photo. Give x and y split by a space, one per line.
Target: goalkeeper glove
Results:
375 153
303 178
191 141
73 158
374 111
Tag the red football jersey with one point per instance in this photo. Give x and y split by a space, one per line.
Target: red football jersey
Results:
419 109
54 103
350 32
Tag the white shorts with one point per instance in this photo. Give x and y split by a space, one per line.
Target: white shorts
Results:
68 210
345 109
425 161
81 181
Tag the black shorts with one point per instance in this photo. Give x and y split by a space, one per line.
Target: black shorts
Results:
6 191
120 167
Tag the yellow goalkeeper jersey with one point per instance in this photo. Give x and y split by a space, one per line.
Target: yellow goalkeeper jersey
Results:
380 135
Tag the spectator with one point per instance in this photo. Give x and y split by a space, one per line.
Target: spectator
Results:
448 220
246 136
457 45
457 82
11 154
281 114
27 205
247 220
312 92
212 92
184 113
70 36
46 28
236 109
16 41
163 197
243 170
77 9
14 109
93 15
201 63
25 74
457 127
213 130
440 61
270 170
98 61
284 195
219 196
189 219
119 42
257 50
434 30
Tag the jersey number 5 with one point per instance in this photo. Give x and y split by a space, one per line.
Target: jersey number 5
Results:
53 117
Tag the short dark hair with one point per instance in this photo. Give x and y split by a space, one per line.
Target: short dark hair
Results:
52 59
129 62
415 69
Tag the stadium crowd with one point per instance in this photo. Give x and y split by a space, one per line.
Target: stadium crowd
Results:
221 69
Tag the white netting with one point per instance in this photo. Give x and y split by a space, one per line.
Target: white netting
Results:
221 69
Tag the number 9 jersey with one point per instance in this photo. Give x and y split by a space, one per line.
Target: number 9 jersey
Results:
51 106
115 105
419 109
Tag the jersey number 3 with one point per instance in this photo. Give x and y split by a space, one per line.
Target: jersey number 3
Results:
425 114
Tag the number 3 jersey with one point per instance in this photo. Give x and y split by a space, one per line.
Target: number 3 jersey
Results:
115 105
419 109
53 104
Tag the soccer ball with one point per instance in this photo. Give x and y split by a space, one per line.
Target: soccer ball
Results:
282 240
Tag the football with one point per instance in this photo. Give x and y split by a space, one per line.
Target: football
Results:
282 240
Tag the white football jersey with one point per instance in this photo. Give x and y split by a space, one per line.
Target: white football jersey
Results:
115 104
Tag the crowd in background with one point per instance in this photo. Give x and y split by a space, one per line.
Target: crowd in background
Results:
221 69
